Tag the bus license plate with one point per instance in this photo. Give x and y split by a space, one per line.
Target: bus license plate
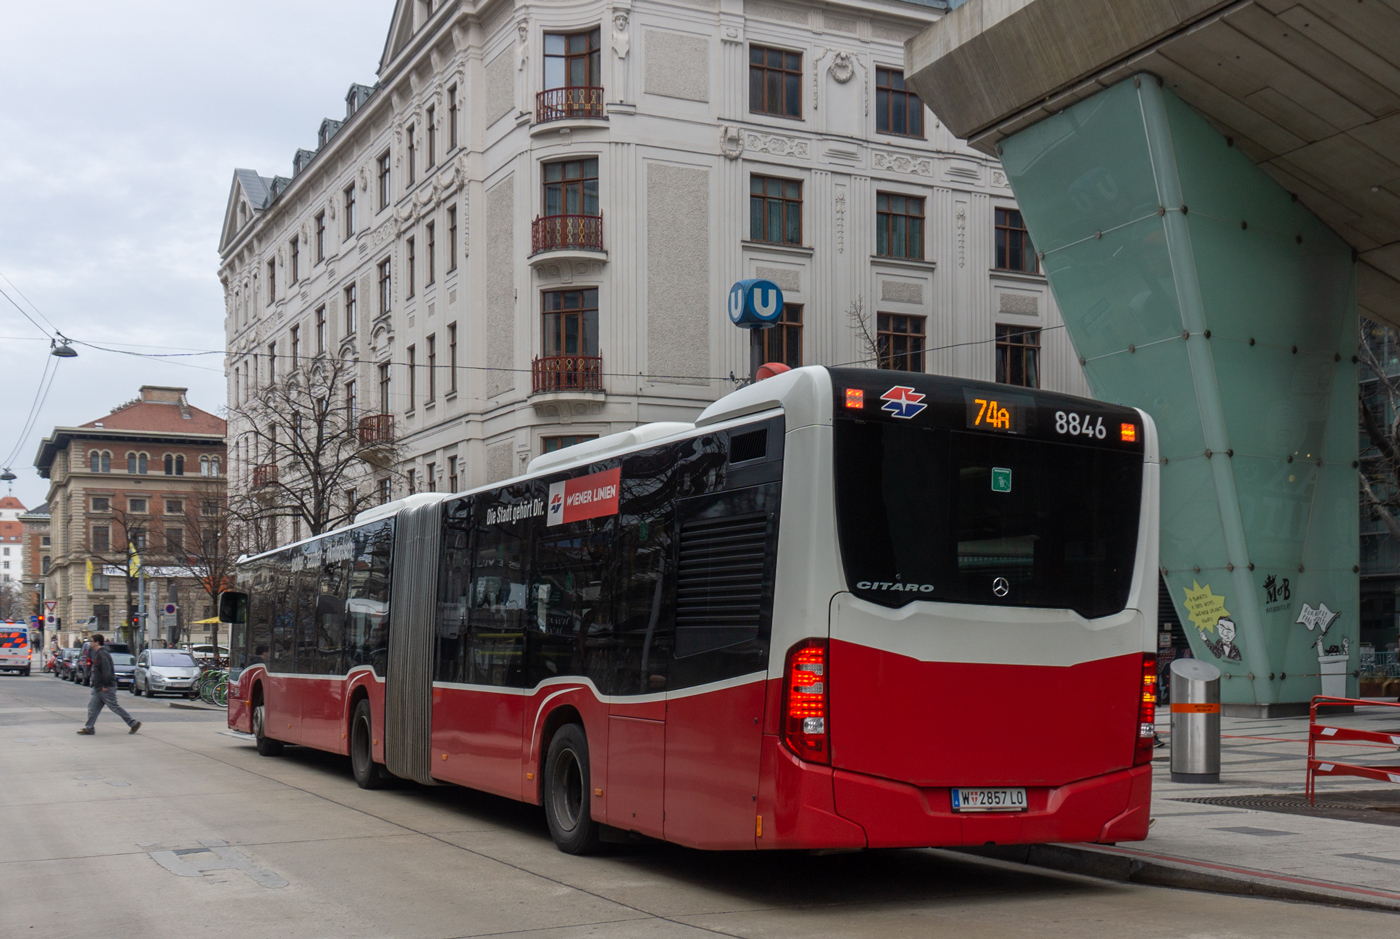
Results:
989 800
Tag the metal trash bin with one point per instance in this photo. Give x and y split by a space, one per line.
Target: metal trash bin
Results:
1195 691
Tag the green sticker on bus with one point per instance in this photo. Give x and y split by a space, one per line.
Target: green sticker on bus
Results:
1001 479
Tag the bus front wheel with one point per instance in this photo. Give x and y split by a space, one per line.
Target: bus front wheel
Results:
566 792
266 745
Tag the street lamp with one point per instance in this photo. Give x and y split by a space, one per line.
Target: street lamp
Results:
8 476
62 349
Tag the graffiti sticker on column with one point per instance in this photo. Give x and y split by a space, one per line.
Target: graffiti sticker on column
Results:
1207 612
1321 619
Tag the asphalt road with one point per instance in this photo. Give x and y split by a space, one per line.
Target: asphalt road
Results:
183 830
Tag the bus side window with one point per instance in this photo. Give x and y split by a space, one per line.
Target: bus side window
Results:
308 589
367 606
330 618
259 616
454 589
499 607
570 615
284 596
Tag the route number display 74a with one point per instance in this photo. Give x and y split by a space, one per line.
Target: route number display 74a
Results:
1077 426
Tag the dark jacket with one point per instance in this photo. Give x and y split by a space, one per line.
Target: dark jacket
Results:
104 673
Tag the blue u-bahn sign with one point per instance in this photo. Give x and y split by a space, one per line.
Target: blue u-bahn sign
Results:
755 304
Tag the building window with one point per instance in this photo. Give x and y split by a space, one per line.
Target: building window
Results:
204 466
1018 356
899 226
272 280
550 444
451 117
451 237
412 377
411 274
571 322
350 310
571 187
775 82
775 210
1014 249
174 507
412 169
897 109
430 477
101 504
214 466
411 477
572 60
296 345
294 261
431 231
384 287
101 462
136 506
452 474
44 563
209 509
100 584
432 137
386 490
901 342
349 209
136 463
352 502
174 465
101 538
783 342
174 540
320 330
451 358
384 388
432 366
272 361
350 398
320 237
383 166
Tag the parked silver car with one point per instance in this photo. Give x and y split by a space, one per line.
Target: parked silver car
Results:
165 671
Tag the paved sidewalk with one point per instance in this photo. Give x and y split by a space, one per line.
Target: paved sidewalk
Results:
1352 860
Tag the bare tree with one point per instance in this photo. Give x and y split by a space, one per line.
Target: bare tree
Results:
311 445
12 602
867 339
1380 421
128 537
208 550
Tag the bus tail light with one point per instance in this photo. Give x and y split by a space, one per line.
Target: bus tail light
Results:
1147 711
805 694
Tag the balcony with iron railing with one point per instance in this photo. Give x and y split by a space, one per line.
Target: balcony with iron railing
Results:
264 474
558 104
567 375
376 430
569 233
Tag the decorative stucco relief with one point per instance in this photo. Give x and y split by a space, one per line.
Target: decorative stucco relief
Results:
777 145
900 163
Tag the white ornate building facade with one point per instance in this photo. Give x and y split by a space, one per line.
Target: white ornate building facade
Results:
524 233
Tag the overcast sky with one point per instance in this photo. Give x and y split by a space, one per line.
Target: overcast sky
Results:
121 122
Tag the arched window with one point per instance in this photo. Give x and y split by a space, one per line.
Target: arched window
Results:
204 466
169 465
95 458
179 464
131 463
141 464
213 466
106 461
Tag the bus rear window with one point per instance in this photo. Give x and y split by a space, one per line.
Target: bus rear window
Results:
12 639
929 513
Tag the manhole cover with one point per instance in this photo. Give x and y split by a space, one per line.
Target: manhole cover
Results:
1374 806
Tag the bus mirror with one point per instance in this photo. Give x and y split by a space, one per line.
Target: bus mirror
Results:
233 608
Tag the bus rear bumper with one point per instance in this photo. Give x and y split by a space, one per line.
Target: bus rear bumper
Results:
1112 807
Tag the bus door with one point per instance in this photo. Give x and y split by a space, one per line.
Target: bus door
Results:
725 561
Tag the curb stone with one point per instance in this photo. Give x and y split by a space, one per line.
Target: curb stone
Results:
1127 865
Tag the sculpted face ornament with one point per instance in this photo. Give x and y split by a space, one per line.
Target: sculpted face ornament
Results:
1001 586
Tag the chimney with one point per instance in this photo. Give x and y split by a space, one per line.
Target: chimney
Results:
163 394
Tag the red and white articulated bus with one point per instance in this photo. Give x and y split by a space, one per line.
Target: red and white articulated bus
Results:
846 608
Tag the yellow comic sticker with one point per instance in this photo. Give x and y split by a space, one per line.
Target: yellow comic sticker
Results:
1204 608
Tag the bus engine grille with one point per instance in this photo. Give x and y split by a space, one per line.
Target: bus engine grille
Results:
719 584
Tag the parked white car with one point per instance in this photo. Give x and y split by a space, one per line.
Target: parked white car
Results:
165 671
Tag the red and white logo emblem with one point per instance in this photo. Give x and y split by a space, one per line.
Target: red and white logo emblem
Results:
902 401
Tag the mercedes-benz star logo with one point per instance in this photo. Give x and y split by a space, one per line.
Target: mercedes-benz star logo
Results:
1001 587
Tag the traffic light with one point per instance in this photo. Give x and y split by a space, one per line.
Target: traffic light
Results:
135 620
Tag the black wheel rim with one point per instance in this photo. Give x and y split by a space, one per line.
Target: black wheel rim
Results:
258 721
566 790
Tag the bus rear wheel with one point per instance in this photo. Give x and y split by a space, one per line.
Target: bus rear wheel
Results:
266 745
566 792
368 774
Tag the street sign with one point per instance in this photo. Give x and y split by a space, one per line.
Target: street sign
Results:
170 609
1001 479
50 606
168 620
33 618
755 304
